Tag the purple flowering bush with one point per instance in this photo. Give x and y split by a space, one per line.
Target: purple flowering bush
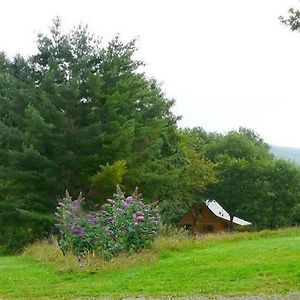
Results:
78 232
132 224
124 224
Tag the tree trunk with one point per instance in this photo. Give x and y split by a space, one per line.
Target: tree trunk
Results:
231 223
273 216
196 219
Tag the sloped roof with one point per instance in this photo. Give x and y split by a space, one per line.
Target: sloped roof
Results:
220 212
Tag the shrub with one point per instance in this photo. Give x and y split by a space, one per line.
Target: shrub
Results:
295 215
122 225
31 226
167 230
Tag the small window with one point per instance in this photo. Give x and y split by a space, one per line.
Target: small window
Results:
209 228
188 227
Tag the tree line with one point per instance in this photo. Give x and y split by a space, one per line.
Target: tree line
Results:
81 116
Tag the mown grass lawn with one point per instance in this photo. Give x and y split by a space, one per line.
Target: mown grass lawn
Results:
231 265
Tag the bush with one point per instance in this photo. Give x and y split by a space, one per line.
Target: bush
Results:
122 225
295 215
167 230
19 228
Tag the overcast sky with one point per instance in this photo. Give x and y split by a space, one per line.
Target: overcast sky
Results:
227 63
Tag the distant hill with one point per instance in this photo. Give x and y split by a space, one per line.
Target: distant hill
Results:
287 153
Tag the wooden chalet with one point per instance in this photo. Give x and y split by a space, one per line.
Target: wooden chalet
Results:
212 218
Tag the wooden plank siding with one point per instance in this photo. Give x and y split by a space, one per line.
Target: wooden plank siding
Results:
208 222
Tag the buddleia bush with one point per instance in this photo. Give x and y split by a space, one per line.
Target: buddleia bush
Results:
123 224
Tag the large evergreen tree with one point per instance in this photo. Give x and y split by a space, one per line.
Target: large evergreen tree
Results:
69 109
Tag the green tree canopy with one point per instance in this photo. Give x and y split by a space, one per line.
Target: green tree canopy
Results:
74 106
235 157
194 175
252 184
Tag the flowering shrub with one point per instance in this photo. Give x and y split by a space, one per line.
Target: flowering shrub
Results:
122 224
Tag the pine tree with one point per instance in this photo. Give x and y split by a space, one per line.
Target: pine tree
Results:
72 107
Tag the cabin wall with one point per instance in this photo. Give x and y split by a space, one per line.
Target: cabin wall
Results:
208 222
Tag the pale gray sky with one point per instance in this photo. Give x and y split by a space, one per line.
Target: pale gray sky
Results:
227 63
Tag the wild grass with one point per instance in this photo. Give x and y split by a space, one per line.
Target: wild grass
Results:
50 254
183 242
171 240
266 262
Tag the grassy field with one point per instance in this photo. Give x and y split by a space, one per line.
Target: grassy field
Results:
238 264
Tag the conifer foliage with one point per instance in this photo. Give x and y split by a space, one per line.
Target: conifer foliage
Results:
74 106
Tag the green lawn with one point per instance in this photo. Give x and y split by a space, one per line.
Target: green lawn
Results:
230 265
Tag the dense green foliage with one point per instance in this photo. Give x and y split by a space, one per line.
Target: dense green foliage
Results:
82 116
252 183
72 107
105 180
238 264
238 170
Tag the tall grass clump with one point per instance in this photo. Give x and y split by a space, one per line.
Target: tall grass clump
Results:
50 254
174 239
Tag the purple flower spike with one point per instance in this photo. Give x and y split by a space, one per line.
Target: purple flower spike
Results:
124 203
89 216
94 220
113 202
139 218
78 230
75 203
129 199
